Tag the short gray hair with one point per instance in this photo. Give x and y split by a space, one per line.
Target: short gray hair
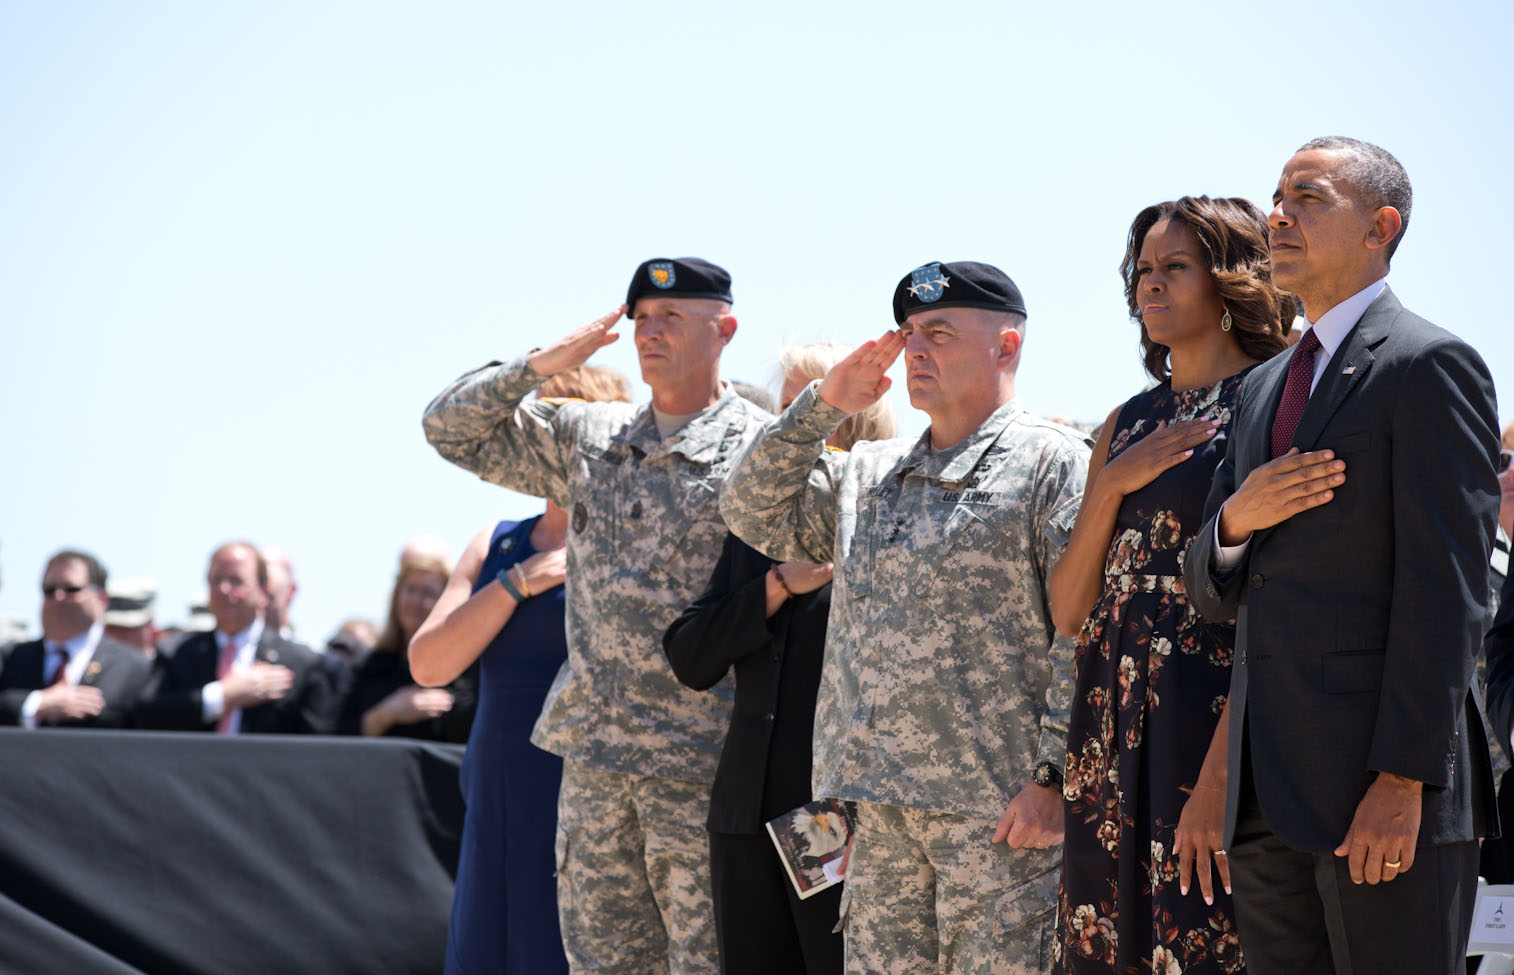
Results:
1374 173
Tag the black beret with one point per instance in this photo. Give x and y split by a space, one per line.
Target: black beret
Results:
961 284
678 277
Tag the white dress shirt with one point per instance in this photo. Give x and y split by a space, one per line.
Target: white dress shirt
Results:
1331 330
81 650
212 695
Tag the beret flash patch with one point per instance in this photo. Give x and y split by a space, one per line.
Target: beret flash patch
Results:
927 284
662 274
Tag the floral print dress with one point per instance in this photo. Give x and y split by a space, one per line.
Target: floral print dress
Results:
1152 678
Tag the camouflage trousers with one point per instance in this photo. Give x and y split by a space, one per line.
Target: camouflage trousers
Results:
633 874
928 892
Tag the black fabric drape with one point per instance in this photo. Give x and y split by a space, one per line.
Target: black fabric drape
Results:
165 853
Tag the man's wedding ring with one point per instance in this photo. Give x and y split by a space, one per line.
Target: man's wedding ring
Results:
1395 864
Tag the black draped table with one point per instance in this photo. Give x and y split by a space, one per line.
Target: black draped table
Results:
135 852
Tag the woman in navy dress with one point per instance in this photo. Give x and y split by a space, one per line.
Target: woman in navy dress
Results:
1145 770
504 607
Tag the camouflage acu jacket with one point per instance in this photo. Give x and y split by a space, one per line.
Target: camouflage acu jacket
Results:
644 535
944 681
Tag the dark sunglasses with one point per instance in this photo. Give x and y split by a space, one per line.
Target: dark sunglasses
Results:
51 591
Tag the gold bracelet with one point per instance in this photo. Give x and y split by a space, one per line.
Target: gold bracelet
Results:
520 574
778 574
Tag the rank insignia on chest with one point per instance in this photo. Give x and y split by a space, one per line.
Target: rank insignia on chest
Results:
580 518
662 274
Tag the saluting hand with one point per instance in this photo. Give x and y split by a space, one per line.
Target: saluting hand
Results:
1278 490
575 348
859 380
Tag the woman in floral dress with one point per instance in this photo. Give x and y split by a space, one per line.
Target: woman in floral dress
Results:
1145 772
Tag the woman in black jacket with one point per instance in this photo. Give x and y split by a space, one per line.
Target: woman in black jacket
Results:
767 621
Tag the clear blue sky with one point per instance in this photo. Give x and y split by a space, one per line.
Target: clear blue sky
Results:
243 244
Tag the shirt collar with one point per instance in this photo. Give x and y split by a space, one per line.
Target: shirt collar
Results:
252 635
83 643
1333 325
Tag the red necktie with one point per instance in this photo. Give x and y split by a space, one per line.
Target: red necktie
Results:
223 668
60 676
1295 394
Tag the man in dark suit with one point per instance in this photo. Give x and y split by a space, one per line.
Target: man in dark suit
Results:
242 677
75 675
1498 645
1349 533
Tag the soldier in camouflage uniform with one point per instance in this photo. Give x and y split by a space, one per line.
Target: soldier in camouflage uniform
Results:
945 690
641 486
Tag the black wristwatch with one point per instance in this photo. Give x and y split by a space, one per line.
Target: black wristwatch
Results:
1047 774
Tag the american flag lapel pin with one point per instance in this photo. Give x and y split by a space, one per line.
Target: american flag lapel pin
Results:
1348 370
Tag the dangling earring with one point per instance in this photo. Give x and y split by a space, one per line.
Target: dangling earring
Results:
1226 321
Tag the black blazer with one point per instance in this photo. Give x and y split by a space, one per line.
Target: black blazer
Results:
764 767
1359 622
1498 644
121 672
175 704
381 673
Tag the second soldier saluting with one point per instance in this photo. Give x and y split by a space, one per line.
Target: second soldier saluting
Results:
945 692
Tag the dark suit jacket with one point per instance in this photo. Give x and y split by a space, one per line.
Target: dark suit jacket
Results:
1498 644
1359 621
122 677
175 704
764 767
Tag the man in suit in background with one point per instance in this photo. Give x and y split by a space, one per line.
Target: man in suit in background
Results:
242 677
1350 527
75 675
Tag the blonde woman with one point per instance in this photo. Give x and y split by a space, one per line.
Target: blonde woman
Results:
766 622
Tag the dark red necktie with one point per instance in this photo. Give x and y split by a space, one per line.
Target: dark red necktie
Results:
60 676
1295 394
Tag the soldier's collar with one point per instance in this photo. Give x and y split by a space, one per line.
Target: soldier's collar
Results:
957 461
701 440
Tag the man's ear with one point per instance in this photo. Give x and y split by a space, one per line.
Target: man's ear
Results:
727 325
1010 340
1386 225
